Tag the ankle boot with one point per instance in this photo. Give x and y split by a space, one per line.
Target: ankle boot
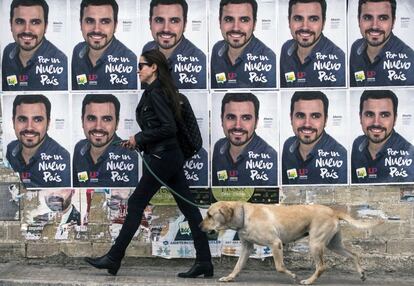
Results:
199 268
104 262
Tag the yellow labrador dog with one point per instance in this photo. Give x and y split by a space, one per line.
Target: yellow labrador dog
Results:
275 225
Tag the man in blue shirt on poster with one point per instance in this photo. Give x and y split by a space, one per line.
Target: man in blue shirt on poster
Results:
312 156
241 60
102 61
196 169
168 19
310 58
99 160
381 155
40 161
32 62
242 158
380 58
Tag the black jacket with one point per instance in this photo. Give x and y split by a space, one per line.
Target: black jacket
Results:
156 120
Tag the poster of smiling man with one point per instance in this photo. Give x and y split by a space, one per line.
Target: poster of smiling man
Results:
315 141
36 138
34 54
243 39
244 139
104 37
382 151
196 168
116 205
381 42
52 214
178 29
312 49
101 122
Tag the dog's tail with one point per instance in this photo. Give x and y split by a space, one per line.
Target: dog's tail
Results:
357 222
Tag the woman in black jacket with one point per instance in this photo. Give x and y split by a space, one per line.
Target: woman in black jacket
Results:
155 114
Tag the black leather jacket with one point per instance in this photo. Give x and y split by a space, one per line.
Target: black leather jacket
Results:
156 120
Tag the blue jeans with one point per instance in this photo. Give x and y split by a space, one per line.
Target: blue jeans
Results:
168 166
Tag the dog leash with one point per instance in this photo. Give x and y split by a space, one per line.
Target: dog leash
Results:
119 142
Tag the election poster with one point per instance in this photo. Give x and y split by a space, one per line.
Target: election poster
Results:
312 51
34 59
36 138
196 168
314 144
244 139
381 46
402 27
10 201
98 130
112 68
180 36
233 62
382 136
52 214
174 239
109 207
56 30
126 29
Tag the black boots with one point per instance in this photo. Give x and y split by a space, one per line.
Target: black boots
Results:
199 268
104 262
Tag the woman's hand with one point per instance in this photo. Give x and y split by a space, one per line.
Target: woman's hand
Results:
130 143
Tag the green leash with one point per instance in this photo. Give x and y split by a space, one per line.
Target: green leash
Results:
162 182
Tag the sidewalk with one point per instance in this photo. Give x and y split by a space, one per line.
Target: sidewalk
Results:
158 271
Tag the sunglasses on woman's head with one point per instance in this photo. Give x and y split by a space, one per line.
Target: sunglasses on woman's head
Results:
141 65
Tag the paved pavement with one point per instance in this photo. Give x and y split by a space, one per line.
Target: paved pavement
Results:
163 272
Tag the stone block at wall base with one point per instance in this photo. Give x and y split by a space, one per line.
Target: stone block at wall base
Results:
12 251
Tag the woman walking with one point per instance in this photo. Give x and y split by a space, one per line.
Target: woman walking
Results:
155 114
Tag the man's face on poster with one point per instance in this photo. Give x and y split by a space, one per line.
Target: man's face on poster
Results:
167 25
306 23
118 198
58 200
239 122
99 123
237 24
376 23
98 26
308 120
377 119
30 124
28 26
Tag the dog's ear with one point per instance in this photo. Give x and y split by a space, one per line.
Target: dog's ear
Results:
227 212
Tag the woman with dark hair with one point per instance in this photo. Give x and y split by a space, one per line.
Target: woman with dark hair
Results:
155 114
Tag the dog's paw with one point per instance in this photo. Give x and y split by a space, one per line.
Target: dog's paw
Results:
363 277
226 279
305 282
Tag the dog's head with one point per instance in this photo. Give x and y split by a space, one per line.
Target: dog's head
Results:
220 216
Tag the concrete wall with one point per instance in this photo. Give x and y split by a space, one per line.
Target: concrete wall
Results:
388 246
